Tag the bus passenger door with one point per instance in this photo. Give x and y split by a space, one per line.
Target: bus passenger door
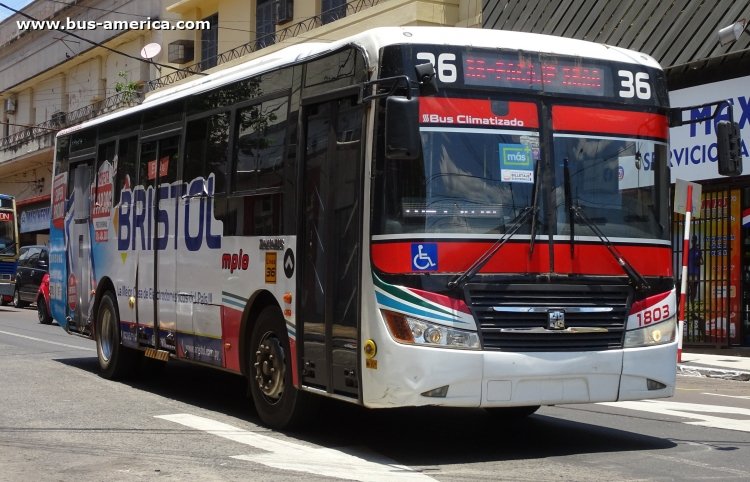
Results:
154 232
80 277
330 245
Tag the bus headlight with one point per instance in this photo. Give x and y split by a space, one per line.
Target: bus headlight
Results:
657 334
416 331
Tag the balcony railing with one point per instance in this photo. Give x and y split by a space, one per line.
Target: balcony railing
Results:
126 99
291 31
65 119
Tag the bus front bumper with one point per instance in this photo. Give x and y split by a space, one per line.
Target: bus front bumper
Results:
455 378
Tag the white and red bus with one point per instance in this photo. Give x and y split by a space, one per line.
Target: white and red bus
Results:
407 217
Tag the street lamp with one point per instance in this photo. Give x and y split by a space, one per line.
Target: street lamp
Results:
732 32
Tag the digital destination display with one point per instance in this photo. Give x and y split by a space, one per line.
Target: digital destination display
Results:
519 72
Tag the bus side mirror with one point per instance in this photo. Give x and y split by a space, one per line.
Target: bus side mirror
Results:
402 139
426 79
729 147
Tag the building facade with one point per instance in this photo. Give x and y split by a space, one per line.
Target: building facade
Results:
702 67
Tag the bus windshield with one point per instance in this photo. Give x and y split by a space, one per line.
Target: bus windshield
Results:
475 176
612 182
7 228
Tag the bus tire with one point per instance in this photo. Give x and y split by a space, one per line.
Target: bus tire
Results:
115 361
278 403
42 311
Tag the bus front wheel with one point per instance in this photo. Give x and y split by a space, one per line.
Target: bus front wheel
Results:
115 360
278 403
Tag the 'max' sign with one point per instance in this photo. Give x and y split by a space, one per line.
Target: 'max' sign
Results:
191 224
693 153
741 108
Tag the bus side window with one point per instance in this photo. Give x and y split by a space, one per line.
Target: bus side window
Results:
207 140
258 215
63 153
259 145
106 154
126 165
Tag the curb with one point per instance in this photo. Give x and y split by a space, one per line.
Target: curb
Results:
695 371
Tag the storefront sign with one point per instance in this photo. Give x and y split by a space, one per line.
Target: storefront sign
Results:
722 245
692 148
32 220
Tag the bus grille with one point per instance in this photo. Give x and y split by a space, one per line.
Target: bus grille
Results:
516 317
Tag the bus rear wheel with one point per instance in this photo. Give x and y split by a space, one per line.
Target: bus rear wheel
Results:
115 361
278 403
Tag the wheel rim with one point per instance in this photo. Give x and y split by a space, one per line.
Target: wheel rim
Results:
106 335
16 299
40 311
270 367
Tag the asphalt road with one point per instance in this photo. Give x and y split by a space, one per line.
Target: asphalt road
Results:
61 421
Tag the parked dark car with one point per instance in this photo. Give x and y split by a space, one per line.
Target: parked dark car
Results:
33 264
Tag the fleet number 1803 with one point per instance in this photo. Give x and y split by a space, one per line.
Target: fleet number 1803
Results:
653 314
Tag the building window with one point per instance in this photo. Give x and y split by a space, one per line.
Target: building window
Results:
265 25
210 42
332 10
284 10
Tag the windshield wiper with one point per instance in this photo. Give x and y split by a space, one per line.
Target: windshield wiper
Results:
518 221
535 205
569 205
635 277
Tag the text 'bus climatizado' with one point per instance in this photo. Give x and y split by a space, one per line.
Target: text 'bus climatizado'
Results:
406 217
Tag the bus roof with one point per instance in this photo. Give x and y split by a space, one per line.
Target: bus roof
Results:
371 41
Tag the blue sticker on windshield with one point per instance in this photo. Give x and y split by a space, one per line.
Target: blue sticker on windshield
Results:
516 163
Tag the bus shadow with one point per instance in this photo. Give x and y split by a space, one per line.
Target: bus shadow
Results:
416 437
202 387
456 436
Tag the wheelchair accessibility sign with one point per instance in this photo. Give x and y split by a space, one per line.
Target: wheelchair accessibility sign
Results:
424 257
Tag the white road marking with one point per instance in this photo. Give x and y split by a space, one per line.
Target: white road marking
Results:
688 410
284 455
85 348
728 396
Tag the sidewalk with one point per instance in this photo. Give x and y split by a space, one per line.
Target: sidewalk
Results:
729 367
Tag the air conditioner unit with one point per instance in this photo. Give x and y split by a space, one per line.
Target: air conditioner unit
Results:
180 51
10 105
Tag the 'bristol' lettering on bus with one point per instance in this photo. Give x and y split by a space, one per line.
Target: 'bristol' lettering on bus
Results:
139 215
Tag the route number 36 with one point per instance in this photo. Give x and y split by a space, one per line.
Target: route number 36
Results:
634 85
445 66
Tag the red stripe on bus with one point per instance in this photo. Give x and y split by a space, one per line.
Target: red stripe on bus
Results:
231 320
477 112
606 121
591 259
